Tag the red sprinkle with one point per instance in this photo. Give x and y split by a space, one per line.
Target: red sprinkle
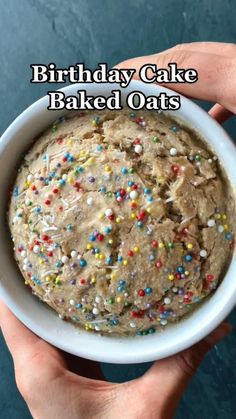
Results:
138 314
158 264
47 202
122 192
130 253
210 278
175 168
50 253
76 185
82 281
178 276
45 237
133 205
100 237
135 186
33 188
64 159
154 243
137 141
141 293
55 190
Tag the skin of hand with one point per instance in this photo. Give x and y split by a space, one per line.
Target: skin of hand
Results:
215 63
44 375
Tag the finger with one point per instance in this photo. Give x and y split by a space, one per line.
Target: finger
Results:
169 377
219 113
28 349
219 48
216 75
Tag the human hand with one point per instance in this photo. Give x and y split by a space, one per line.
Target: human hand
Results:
52 390
215 63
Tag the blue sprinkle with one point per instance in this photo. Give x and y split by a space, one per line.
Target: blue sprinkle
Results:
121 288
62 182
115 322
148 290
131 183
109 260
188 258
69 227
38 209
96 250
180 269
122 282
139 224
228 236
16 191
103 189
79 169
82 263
92 238
124 171
70 158
120 258
52 174
147 191
99 147
107 230
59 264
79 305
66 155
151 257
174 128
150 199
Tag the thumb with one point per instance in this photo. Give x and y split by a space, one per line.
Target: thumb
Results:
169 377
216 73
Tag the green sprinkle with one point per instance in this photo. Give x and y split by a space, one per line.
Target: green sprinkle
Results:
131 170
110 300
155 140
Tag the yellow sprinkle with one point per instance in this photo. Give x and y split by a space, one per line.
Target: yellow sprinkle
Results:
218 216
41 261
97 256
128 189
69 142
226 227
118 299
113 276
125 262
110 241
101 215
93 280
118 220
86 327
101 256
90 326
186 273
171 277
132 216
161 245
70 179
89 246
48 278
90 161
149 210
224 216
107 169
189 246
134 202
26 185
136 249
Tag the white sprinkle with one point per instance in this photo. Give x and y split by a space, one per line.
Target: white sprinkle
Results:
61 316
167 300
71 208
163 322
52 228
25 260
90 201
64 177
170 199
23 253
175 289
24 267
74 254
97 328
209 161
211 222
133 194
28 201
64 259
30 178
95 311
108 212
132 324
203 253
98 299
72 302
221 229
36 248
138 149
173 151
64 202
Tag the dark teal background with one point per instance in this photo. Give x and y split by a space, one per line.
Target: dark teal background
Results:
92 31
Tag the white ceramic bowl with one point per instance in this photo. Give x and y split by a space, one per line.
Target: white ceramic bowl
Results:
44 321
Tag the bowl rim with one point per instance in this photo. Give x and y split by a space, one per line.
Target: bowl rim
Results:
123 350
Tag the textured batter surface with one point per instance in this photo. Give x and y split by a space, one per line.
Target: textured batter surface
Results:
119 220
